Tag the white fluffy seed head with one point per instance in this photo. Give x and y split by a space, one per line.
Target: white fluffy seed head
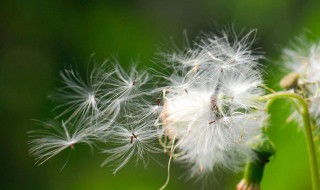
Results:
215 112
209 104
213 127
304 59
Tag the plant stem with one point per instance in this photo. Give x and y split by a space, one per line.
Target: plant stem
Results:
263 149
307 125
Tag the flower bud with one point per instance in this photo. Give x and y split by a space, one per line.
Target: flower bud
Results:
289 81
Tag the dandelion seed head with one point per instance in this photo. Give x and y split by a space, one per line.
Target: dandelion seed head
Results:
208 104
304 59
211 129
212 107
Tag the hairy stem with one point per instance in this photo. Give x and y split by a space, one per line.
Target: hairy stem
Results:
308 128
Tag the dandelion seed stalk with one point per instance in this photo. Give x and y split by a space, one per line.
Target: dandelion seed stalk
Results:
308 129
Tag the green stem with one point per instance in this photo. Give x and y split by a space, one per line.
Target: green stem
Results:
306 121
263 149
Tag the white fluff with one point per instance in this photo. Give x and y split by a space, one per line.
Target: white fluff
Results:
209 104
214 118
130 142
55 138
304 58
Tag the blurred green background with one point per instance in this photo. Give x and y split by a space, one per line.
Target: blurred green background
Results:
40 38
